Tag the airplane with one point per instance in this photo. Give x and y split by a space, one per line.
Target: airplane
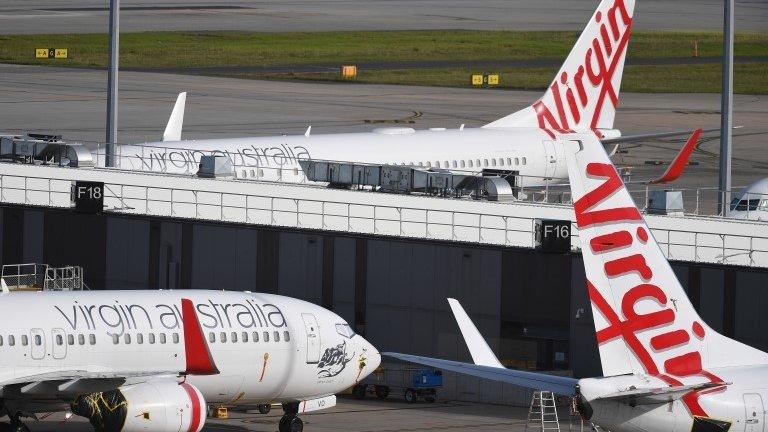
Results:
664 369
752 202
153 360
582 97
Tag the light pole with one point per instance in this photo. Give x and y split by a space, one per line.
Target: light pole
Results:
726 118
114 55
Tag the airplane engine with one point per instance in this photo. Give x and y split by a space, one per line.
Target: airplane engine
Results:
159 406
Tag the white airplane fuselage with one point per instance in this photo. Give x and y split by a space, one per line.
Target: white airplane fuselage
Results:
741 402
529 151
268 348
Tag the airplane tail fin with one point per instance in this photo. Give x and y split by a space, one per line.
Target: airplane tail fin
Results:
585 92
176 121
644 322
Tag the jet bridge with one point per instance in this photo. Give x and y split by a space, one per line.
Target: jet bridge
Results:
44 149
491 186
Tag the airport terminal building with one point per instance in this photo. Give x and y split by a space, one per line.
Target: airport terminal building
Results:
384 262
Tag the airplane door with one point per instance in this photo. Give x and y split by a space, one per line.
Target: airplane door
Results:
755 413
313 338
551 156
59 343
37 344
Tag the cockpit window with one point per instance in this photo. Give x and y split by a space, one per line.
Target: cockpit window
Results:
744 205
345 330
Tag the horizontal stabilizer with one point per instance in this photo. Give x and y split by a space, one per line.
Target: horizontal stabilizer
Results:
651 136
532 380
658 395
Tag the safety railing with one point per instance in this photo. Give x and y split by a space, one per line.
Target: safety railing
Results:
490 223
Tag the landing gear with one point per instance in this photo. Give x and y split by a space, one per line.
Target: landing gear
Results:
290 421
264 408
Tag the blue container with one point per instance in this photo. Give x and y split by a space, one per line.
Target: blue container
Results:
427 378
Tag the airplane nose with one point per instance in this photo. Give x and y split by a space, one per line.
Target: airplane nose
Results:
372 358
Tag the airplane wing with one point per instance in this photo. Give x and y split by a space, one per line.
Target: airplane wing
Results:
532 380
658 395
478 348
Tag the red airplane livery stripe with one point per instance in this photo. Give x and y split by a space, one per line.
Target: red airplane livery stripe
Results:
194 422
635 263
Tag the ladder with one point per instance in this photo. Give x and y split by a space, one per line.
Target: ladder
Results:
543 412
574 415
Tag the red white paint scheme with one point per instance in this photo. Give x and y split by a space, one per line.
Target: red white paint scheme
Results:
583 97
664 368
152 360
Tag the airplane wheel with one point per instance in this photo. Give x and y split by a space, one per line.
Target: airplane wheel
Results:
291 424
264 408
382 392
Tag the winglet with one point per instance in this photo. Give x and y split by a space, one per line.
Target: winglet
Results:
678 164
478 348
173 128
199 359
308 132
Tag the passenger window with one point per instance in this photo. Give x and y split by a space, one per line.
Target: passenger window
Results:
81 339
277 336
429 164
478 163
59 340
1 341
139 338
223 337
234 337
517 161
127 339
437 164
175 338
211 337
115 339
266 336
260 172
71 339
421 164
92 339
493 162
287 336
470 163
162 338
501 161
524 160
151 338
446 164
24 340
255 336
11 340
463 164
455 165
245 336
253 173
509 161
485 162
38 340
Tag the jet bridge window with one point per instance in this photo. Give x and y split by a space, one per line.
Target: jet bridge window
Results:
745 205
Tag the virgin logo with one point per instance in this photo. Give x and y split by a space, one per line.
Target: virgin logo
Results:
601 60
663 320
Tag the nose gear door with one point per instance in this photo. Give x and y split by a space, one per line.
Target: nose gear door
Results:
313 338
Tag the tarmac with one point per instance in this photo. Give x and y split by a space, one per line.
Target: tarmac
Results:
72 102
91 16
352 415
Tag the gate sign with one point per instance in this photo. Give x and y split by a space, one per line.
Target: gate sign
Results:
553 236
88 196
